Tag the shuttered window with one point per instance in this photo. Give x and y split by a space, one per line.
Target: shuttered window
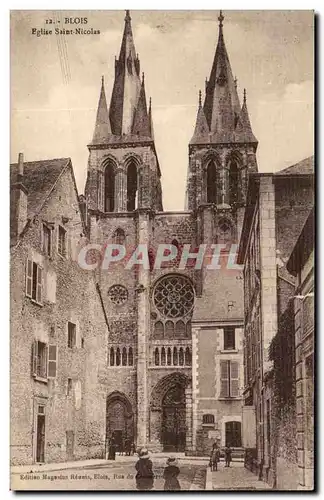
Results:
229 379
34 281
44 360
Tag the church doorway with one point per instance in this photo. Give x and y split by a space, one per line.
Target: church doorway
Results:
119 421
174 419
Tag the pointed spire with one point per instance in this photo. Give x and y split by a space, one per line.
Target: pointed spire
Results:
102 127
201 133
141 124
243 130
127 84
221 103
151 120
220 19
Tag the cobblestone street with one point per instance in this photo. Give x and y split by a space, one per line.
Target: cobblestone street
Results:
235 477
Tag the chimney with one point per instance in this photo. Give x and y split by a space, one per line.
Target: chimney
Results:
18 201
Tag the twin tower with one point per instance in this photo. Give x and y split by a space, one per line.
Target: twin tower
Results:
123 168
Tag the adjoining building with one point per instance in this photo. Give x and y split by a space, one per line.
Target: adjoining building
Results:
277 206
301 265
59 332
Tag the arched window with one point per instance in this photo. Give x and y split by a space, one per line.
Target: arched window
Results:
112 357
124 357
117 356
119 236
233 182
163 356
233 437
181 357
211 182
180 329
188 357
156 357
169 360
109 187
208 419
188 329
175 356
130 357
132 187
158 330
169 329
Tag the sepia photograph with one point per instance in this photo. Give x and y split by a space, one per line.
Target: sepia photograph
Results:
162 234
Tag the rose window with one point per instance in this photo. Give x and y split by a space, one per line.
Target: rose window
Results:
174 296
118 294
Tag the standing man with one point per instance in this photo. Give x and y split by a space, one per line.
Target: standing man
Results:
228 456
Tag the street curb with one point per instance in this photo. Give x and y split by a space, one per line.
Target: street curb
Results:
209 482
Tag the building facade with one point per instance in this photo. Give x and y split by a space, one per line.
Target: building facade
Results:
183 324
277 207
59 331
301 265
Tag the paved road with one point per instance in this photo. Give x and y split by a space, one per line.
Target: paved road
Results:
112 477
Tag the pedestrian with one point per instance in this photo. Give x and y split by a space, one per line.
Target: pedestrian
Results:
144 476
127 447
170 475
133 448
112 449
228 456
214 457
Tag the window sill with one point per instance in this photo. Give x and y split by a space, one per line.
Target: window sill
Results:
230 398
34 301
40 379
229 351
208 426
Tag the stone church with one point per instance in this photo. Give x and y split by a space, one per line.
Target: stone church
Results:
151 354
174 374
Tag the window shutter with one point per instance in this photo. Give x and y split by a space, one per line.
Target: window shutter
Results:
234 379
34 357
52 361
39 288
29 278
224 390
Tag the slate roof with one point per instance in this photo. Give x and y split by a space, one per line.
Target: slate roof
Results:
303 167
39 178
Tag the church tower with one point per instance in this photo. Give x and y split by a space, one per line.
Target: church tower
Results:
221 153
123 191
123 168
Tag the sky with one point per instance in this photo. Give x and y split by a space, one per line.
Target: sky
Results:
53 110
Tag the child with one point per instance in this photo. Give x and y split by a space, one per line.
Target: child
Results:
170 475
144 477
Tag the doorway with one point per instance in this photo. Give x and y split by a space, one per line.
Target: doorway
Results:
119 420
174 419
40 434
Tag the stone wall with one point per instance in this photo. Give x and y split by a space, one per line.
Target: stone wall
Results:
70 294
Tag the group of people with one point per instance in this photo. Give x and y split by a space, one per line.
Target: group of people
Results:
128 447
215 456
145 476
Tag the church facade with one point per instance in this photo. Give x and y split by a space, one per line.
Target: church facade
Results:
174 375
